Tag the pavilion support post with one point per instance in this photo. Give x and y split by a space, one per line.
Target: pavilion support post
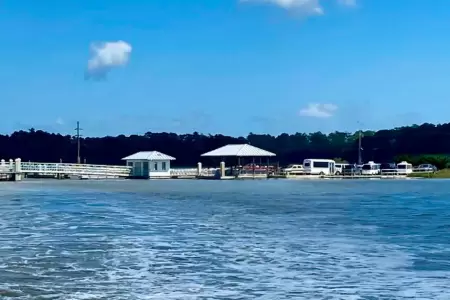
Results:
222 169
268 167
238 169
253 168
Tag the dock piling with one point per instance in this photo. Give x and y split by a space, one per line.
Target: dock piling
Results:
222 169
199 169
18 170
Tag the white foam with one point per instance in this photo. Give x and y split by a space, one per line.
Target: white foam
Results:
150 248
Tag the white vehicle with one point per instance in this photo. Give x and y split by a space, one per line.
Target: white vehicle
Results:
294 169
319 166
339 168
370 168
404 168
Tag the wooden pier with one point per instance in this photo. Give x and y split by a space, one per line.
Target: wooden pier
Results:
16 170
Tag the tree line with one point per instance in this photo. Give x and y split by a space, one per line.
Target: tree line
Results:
425 143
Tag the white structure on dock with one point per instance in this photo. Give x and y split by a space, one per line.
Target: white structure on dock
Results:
242 151
16 170
149 164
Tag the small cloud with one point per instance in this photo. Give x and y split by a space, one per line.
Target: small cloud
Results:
59 121
317 110
347 2
308 7
105 57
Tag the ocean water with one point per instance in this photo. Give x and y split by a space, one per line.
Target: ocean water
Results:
271 240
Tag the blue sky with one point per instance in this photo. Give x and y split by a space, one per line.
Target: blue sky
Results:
225 66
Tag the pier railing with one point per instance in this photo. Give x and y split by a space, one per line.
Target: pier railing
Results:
40 168
19 167
392 172
75 169
402 171
192 172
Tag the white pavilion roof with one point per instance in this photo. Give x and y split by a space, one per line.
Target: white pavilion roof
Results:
240 150
149 155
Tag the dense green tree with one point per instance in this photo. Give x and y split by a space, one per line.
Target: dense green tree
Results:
425 143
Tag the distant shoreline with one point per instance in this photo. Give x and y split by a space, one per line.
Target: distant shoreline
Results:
441 174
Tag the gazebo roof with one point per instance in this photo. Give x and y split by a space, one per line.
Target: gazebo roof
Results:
149 155
240 150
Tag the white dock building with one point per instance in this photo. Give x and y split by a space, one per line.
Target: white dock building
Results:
149 164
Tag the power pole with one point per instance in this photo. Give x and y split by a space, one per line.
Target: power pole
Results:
359 148
360 145
78 129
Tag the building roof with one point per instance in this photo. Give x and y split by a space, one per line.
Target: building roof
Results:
240 150
149 155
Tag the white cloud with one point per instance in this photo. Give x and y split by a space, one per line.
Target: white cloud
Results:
347 2
106 56
310 7
317 110
59 121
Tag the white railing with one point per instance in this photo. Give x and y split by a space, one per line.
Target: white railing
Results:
75 169
255 172
391 172
402 171
65 168
6 168
209 172
192 172
183 172
10 167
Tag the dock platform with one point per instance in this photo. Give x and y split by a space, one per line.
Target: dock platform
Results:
366 177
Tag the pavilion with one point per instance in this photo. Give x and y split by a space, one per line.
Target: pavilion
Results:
240 151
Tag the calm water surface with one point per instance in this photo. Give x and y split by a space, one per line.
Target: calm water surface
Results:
271 240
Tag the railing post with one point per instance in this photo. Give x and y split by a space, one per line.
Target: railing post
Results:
199 169
18 170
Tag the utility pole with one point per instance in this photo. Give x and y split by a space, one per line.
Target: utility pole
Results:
359 148
78 129
359 145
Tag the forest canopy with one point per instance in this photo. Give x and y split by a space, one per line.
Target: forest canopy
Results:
419 143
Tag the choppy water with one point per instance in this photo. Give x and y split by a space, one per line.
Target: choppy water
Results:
271 240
